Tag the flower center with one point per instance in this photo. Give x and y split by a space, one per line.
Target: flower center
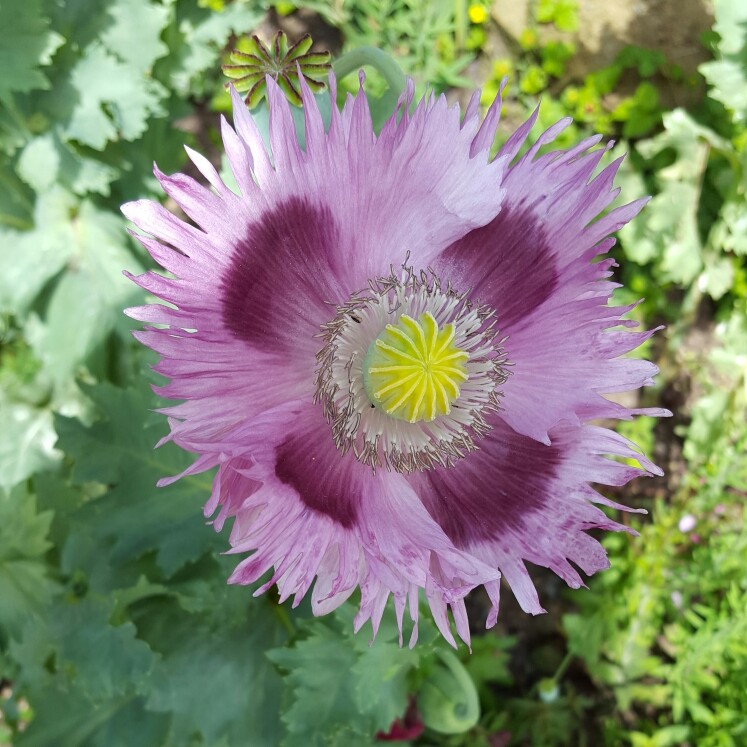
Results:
413 369
409 372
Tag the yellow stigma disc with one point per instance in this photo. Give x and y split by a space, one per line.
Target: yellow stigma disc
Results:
413 369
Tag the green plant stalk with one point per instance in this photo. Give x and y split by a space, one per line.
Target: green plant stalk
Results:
386 65
283 617
562 667
460 23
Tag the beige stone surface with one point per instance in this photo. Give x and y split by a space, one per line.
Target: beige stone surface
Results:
511 15
672 26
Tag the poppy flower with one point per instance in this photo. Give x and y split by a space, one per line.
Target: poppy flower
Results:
393 347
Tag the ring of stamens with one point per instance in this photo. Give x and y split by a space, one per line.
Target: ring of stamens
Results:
408 373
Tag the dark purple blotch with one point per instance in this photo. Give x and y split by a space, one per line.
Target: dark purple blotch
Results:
507 264
322 484
281 276
487 493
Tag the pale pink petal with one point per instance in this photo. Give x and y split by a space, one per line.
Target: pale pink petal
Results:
256 281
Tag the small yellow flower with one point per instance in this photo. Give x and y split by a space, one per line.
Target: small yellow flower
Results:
571 96
528 39
501 68
477 14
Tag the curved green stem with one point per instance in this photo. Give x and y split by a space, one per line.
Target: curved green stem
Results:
448 700
563 666
386 65
548 688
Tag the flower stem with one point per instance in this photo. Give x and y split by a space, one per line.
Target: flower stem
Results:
386 65
283 617
563 666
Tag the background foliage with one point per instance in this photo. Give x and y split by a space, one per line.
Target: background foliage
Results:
116 626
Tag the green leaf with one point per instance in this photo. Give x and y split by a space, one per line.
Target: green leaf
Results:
382 679
162 143
80 22
27 444
241 704
586 636
638 243
25 586
65 717
135 33
48 160
86 302
562 13
76 634
113 99
717 278
341 688
83 676
707 419
670 220
728 81
730 233
24 531
28 44
16 199
196 672
55 494
488 662
134 517
32 257
321 688
212 676
671 736
728 75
